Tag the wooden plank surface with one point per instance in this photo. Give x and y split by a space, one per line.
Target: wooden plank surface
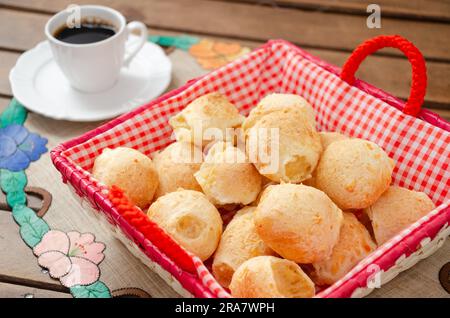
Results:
7 61
3 103
28 31
29 28
18 291
432 10
246 21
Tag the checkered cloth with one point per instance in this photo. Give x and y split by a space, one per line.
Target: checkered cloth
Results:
421 151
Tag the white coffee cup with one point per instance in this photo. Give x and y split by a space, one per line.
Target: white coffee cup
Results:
94 67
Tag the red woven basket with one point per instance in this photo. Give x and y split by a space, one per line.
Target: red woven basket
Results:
418 140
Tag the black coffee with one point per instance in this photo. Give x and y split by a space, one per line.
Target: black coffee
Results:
86 33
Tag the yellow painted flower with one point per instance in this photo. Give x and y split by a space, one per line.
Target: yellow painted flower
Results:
211 54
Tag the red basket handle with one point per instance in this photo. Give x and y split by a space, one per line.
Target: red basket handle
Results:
419 71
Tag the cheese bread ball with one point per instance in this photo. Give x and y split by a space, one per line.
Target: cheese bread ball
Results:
354 173
176 166
265 185
206 119
326 138
130 170
298 222
354 244
271 277
279 102
395 210
284 145
226 176
190 219
239 243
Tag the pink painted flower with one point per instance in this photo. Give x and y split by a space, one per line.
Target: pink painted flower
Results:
71 257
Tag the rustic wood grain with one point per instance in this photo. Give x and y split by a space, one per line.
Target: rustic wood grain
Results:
246 21
432 10
394 76
28 30
7 61
18 291
373 70
3 101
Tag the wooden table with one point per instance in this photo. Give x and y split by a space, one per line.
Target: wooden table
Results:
327 28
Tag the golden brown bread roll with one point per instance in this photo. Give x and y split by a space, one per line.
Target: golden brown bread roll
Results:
204 116
239 243
190 219
130 170
279 102
326 138
354 244
265 184
283 144
298 222
395 210
226 176
354 173
176 166
271 277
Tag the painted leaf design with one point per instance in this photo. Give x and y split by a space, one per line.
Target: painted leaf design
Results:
15 198
32 227
12 181
162 40
95 290
183 42
15 113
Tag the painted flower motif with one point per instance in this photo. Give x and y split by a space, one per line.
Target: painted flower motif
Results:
212 54
19 147
71 257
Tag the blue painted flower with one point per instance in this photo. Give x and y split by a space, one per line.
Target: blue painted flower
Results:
19 147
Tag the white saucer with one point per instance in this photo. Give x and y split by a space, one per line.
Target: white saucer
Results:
38 84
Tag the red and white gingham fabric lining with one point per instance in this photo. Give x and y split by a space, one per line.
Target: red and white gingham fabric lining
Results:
420 150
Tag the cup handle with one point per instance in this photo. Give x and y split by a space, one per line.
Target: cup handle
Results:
133 47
